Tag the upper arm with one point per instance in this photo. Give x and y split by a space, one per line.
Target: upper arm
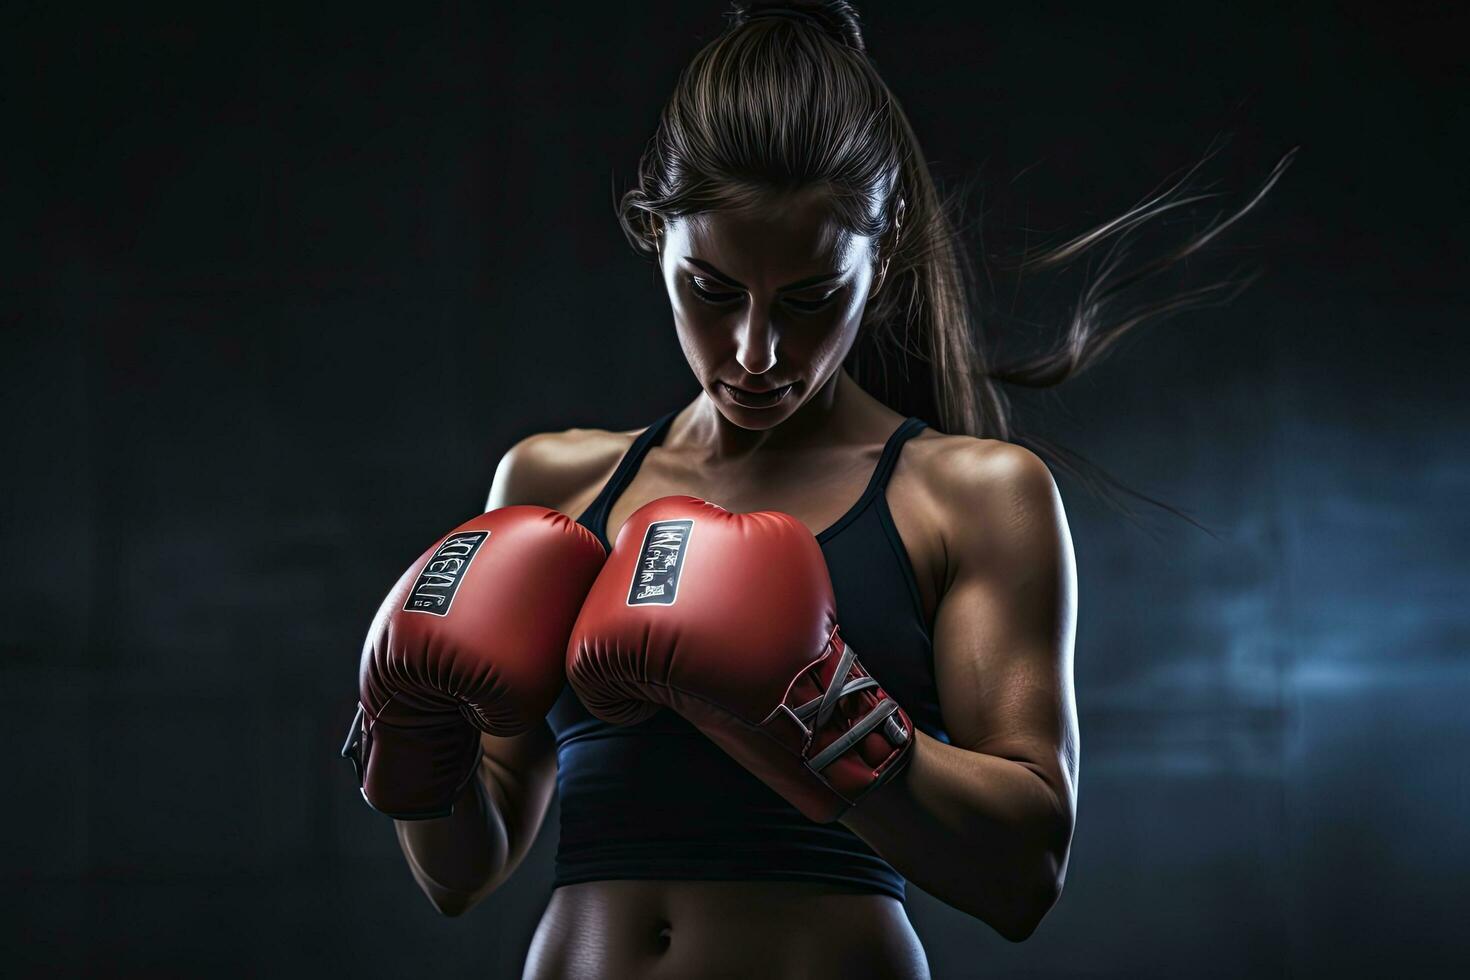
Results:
1005 626
556 469
525 474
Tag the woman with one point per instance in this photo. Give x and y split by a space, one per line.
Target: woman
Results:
818 295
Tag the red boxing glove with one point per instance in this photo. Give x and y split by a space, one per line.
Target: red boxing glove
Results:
729 619
472 639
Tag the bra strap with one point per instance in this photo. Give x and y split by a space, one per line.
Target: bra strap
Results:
627 466
911 426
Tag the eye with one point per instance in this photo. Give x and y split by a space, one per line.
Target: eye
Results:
812 305
700 288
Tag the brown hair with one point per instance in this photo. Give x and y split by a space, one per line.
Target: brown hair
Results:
787 97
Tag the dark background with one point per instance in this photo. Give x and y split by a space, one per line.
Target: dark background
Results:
280 287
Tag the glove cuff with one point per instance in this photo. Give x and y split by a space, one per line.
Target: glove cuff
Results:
412 773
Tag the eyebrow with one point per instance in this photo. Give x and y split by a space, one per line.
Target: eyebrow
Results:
790 287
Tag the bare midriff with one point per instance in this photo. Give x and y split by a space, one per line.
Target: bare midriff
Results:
710 929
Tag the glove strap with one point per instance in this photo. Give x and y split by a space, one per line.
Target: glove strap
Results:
355 748
879 715
841 685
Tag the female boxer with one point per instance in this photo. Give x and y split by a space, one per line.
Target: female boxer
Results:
818 294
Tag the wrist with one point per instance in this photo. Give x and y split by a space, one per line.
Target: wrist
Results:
885 803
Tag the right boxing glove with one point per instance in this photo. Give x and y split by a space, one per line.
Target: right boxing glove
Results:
731 620
472 639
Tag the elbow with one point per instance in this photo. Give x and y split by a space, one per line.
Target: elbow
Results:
452 905
1039 888
1014 913
1026 909
1036 892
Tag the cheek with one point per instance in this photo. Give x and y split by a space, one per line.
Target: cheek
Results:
839 328
838 336
705 340
692 339
686 309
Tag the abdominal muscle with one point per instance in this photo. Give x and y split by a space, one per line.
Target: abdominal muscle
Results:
710 929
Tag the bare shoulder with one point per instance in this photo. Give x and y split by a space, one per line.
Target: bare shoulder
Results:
554 469
991 500
968 470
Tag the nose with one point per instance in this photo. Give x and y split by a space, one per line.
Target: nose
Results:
755 344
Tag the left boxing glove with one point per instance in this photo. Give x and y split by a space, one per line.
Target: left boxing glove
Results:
730 620
472 639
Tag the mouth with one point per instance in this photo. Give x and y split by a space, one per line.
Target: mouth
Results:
746 398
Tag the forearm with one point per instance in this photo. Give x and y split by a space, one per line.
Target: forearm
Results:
986 835
457 859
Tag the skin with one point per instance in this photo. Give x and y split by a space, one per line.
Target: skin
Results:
984 823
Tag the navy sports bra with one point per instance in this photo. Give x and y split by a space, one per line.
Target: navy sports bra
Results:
660 800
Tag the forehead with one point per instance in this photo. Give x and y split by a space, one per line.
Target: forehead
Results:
787 235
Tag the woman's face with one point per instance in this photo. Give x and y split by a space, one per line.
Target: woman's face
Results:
766 302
